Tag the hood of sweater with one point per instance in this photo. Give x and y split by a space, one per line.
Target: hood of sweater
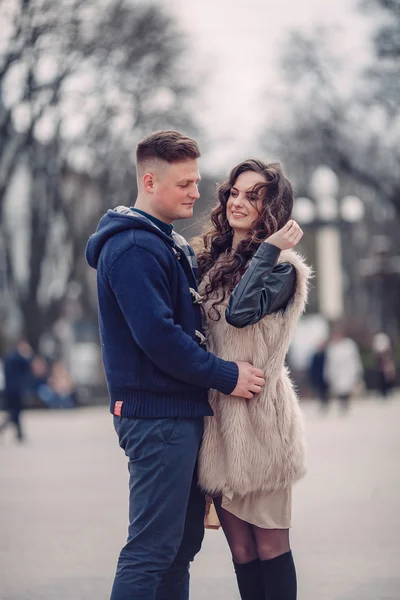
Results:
114 221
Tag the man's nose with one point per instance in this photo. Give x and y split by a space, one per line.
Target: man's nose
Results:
195 193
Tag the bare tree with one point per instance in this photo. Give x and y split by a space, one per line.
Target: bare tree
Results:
357 130
78 88
353 128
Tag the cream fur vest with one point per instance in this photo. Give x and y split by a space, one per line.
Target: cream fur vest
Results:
256 445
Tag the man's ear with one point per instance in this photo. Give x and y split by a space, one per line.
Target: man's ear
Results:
148 182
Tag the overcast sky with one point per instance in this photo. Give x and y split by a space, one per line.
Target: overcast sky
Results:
235 46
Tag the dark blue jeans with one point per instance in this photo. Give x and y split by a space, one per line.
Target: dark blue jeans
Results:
166 508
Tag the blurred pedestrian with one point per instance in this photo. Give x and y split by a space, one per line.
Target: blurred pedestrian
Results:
17 382
317 375
384 363
343 369
157 370
59 390
254 289
40 374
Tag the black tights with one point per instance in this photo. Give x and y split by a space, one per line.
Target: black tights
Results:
262 558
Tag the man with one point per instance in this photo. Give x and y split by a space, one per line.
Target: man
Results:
316 374
157 369
17 373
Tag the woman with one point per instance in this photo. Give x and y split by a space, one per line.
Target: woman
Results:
253 449
343 368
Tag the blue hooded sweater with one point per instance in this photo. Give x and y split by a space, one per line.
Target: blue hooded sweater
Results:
149 323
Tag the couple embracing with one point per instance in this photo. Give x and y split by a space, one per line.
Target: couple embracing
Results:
194 344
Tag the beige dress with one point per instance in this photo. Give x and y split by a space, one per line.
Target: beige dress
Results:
268 511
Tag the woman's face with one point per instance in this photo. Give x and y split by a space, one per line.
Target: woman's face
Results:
240 212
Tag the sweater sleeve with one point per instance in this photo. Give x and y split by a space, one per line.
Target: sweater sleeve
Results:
265 288
140 283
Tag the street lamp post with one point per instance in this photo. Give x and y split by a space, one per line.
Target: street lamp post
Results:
326 215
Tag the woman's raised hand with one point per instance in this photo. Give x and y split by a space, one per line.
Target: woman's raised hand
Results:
287 237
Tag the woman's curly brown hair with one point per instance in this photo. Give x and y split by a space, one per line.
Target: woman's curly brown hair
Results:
277 203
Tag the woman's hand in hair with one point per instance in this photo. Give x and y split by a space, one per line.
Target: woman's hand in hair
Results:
287 237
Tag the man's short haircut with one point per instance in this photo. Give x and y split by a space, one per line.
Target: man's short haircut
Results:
169 146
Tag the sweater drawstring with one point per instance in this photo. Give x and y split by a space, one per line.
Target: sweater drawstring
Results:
201 338
197 298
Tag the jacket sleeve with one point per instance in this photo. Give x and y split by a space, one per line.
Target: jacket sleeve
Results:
265 288
140 282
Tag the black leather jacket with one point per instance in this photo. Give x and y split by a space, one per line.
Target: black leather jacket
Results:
265 288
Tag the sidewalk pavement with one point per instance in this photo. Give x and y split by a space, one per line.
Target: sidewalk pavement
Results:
63 509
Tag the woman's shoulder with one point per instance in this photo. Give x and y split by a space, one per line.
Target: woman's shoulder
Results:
297 260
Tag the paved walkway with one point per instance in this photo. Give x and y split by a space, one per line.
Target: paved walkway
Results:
63 509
